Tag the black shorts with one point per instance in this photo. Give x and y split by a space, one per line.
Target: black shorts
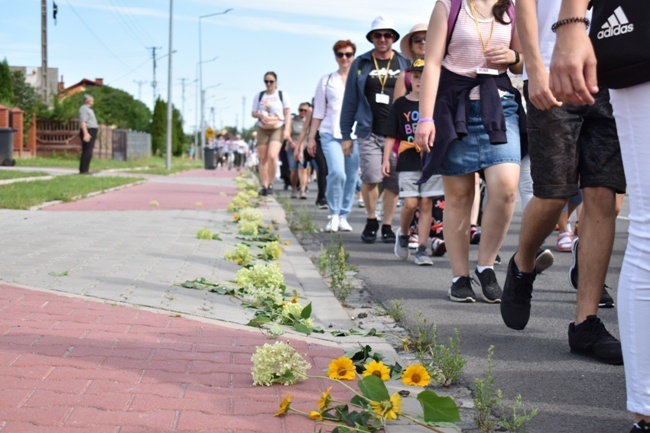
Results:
574 145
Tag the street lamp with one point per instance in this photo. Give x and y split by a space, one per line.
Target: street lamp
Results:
201 69
168 159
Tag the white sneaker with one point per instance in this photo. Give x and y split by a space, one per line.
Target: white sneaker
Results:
333 224
413 241
344 226
360 203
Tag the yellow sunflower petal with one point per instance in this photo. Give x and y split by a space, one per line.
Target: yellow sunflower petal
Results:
284 406
376 368
342 368
416 375
315 415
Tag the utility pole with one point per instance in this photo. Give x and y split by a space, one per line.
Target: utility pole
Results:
44 50
243 114
184 85
213 125
139 83
168 162
154 83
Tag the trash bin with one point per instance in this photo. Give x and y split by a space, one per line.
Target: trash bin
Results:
7 146
209 158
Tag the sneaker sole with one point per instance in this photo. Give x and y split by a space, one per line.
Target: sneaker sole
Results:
419 263
490 301
400 257
544 261
573 265
466 300
606 305
589 354
368 240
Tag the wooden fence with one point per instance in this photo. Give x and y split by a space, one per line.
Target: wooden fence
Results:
62 137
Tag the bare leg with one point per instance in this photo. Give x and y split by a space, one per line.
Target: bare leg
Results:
424 224
597 226
538 222
304 178
502 181
459 196
406 216
370 194
390 204
293 178
262 153
477 201
272 160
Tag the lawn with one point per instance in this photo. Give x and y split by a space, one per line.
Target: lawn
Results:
14 174
153 165
24 195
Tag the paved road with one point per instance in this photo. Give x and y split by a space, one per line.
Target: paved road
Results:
573 393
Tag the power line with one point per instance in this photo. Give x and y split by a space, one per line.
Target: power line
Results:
137 26
95 35
122 21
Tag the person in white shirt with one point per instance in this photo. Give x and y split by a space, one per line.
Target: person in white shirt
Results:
272 110
342 169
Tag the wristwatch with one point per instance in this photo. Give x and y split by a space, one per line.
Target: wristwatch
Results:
517 59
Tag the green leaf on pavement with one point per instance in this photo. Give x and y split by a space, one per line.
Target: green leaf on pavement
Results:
373 388
258 321
436 408
306 312
301 327
59 274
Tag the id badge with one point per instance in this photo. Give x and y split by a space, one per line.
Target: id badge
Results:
487 71
382 98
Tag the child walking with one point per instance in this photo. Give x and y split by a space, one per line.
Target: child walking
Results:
402 122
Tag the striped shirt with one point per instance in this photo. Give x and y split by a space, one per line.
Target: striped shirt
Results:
465 53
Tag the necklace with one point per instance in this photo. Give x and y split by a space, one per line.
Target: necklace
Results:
485 17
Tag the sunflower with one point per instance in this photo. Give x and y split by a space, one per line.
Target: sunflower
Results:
235 217
342 369
325 399
389 409
315 415
377 369
284 406
416 375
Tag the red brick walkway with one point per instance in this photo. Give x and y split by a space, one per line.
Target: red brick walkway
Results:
72 365
168 195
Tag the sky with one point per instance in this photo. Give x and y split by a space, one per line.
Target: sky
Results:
110 39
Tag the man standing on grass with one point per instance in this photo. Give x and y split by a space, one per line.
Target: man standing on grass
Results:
88 133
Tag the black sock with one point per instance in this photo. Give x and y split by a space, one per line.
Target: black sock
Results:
386 228
372 222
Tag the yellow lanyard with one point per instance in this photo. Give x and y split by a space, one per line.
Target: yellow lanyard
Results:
383 80
478 29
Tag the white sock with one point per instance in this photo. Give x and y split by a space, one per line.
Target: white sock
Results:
455 279
482 268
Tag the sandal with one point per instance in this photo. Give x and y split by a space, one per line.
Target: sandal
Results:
564 242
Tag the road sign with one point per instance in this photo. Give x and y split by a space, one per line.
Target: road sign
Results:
209 133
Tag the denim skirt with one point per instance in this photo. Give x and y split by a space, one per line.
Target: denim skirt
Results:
475 152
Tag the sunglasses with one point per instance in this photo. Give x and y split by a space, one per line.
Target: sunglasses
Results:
303 110
269 81
387 35
419 39
340 55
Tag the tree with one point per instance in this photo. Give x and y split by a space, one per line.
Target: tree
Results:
158 130
112 107
26 97
6 83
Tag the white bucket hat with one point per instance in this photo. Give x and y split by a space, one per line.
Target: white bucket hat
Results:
405 45
381 23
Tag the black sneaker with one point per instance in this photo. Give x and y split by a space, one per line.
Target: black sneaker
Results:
461 290
591 338
543 260
606 300
497 261
322 204
515 300
387 234
369 234
269 189
489 285
640 427
263 192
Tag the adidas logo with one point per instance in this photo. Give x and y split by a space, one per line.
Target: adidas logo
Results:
617 24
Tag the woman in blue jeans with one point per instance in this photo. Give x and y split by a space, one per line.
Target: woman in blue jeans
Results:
342 169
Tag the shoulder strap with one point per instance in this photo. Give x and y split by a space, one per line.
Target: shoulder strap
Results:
261 96
329 77
280 94
454 11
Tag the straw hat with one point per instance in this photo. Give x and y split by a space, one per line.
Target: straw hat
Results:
405 45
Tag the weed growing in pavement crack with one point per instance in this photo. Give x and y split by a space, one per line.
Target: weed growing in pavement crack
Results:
396 310
333 264
486 400
422 337
446 365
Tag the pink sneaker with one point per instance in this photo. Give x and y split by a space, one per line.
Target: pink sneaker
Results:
564 242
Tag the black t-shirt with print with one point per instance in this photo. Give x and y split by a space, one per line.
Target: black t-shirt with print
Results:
373 87
401 124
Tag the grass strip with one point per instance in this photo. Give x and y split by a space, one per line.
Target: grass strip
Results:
12 174
24 195
155 163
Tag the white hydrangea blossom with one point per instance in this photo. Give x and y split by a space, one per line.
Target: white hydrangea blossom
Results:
262 281
250 214
295 308
278 363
